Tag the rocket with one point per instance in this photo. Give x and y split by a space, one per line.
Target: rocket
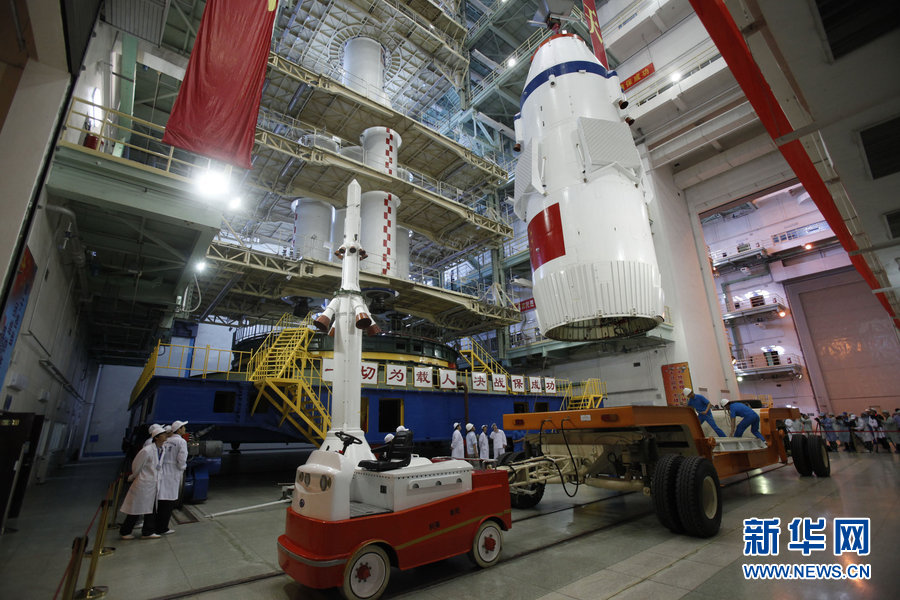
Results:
578 187
348 317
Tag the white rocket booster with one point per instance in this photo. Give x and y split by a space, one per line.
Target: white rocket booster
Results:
578 187
348 315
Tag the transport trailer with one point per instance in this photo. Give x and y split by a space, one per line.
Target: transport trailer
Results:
349 524
661 451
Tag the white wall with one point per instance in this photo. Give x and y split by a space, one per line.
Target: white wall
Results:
110 414
51 349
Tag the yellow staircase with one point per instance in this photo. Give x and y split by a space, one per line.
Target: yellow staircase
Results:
593 391
286 375
479 358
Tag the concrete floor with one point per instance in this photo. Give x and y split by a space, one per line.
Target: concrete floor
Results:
594 546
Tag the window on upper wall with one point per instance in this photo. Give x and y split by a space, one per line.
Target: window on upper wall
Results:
520 407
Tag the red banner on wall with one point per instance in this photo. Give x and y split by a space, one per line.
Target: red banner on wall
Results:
527 304
638 77
216 110
590 17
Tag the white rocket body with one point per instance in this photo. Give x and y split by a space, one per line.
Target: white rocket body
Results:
578 187
345 310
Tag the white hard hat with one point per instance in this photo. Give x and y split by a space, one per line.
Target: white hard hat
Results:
687 391
388 438
167 428
401 428
155 430
455 425
469 427
724 401
178 425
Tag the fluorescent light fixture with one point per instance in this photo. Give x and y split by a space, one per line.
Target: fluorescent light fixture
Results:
675 77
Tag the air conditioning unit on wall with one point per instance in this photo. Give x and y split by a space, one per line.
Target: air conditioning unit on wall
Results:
17 381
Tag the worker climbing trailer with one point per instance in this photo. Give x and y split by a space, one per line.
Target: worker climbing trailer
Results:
661 451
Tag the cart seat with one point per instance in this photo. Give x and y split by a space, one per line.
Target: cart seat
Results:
397 454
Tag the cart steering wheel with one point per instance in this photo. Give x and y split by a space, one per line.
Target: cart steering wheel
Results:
346 439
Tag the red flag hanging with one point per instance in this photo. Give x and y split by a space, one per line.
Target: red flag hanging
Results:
593 23
215 111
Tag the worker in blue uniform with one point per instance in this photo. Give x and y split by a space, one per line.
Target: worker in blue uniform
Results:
749 418
703 408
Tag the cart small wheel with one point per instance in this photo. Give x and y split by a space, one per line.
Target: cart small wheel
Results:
699 497
367 574
819 460
800 454
487 545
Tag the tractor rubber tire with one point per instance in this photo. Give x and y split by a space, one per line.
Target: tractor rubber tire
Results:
662 489
699 497
800 454
819 460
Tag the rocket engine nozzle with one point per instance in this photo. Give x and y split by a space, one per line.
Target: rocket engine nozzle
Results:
323 321
363 320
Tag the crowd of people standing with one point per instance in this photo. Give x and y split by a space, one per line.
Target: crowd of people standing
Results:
484 445
156 474
870 431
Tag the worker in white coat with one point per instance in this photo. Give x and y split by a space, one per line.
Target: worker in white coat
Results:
484 449
471 441
498 437
174 463
457 449
146 474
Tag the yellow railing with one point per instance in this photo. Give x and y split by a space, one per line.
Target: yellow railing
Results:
94 128
179 360
479 358
590 395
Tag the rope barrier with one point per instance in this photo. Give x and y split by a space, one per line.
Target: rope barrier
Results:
79 551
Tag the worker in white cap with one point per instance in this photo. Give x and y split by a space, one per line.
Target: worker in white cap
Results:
749 418
457 450
471 442
146 471
172 473
484 449
498 438
703 408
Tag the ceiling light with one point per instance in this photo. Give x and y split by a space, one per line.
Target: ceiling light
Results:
807 246
200 266
511 62
675 77
211 183
781 313
235 203
740 378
